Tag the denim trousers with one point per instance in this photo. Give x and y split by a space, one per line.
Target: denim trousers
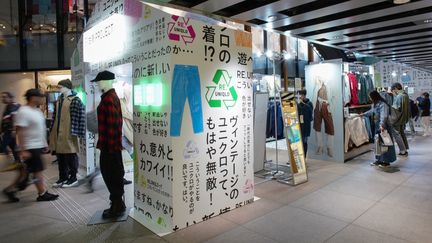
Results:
185 84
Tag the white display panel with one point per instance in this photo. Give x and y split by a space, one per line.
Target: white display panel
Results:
192 114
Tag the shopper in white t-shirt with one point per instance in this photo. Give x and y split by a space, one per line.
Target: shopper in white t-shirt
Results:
31 140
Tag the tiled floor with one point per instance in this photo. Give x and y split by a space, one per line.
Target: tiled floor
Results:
351 202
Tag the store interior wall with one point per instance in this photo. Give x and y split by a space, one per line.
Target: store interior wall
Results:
18 84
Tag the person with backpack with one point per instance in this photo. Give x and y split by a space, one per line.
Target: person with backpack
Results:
414 115
401 105
425 113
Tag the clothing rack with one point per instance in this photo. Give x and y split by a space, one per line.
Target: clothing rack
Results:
356 151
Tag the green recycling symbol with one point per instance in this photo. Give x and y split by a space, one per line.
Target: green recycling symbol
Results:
222 92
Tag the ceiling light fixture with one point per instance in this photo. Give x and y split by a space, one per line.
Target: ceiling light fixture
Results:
401 1
337 37
427 21
272 17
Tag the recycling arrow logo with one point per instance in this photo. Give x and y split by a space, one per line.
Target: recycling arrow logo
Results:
180 27
222 92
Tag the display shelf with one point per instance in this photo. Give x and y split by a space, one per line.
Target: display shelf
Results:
359 106
356 151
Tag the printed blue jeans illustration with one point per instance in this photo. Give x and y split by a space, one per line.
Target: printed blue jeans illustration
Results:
185 84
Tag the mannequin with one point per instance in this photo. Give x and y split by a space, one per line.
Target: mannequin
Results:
68 125
110 122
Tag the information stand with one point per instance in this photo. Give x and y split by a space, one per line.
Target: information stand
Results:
295 145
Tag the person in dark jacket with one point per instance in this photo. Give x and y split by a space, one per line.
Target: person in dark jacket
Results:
424 105
7 128
305 110
414 115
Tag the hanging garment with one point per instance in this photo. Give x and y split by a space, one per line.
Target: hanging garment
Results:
355 131
353 88
346 90
185 84
271 121
362 89
369 84
367 122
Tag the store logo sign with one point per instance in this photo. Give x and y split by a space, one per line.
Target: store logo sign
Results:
180 28
223 92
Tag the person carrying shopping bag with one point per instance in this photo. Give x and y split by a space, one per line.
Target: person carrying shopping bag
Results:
380 113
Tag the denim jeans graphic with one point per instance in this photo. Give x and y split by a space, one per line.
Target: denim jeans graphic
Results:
185 84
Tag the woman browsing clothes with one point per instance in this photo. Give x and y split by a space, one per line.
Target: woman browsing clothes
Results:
380 112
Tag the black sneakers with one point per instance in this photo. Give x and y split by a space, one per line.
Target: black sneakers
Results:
47 197
376 163
59 183
384 165
117 209
70 183
403 154
11 196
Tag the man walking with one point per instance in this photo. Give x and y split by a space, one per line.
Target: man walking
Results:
7 128
401 103
109 142
31 139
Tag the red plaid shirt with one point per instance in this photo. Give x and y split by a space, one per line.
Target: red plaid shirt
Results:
110 122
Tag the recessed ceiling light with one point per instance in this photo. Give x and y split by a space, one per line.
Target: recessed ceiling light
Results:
427 21
401 1
337 37
272 17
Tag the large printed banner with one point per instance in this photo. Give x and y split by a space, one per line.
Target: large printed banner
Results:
192 114
324 89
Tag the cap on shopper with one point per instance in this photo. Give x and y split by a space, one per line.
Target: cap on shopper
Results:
65 83
104 75
33 92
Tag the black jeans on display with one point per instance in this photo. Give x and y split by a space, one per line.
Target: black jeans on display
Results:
112 170
68 166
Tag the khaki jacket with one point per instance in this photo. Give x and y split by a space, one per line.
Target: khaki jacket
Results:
61 140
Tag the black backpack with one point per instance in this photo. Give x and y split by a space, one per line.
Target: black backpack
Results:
414 109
